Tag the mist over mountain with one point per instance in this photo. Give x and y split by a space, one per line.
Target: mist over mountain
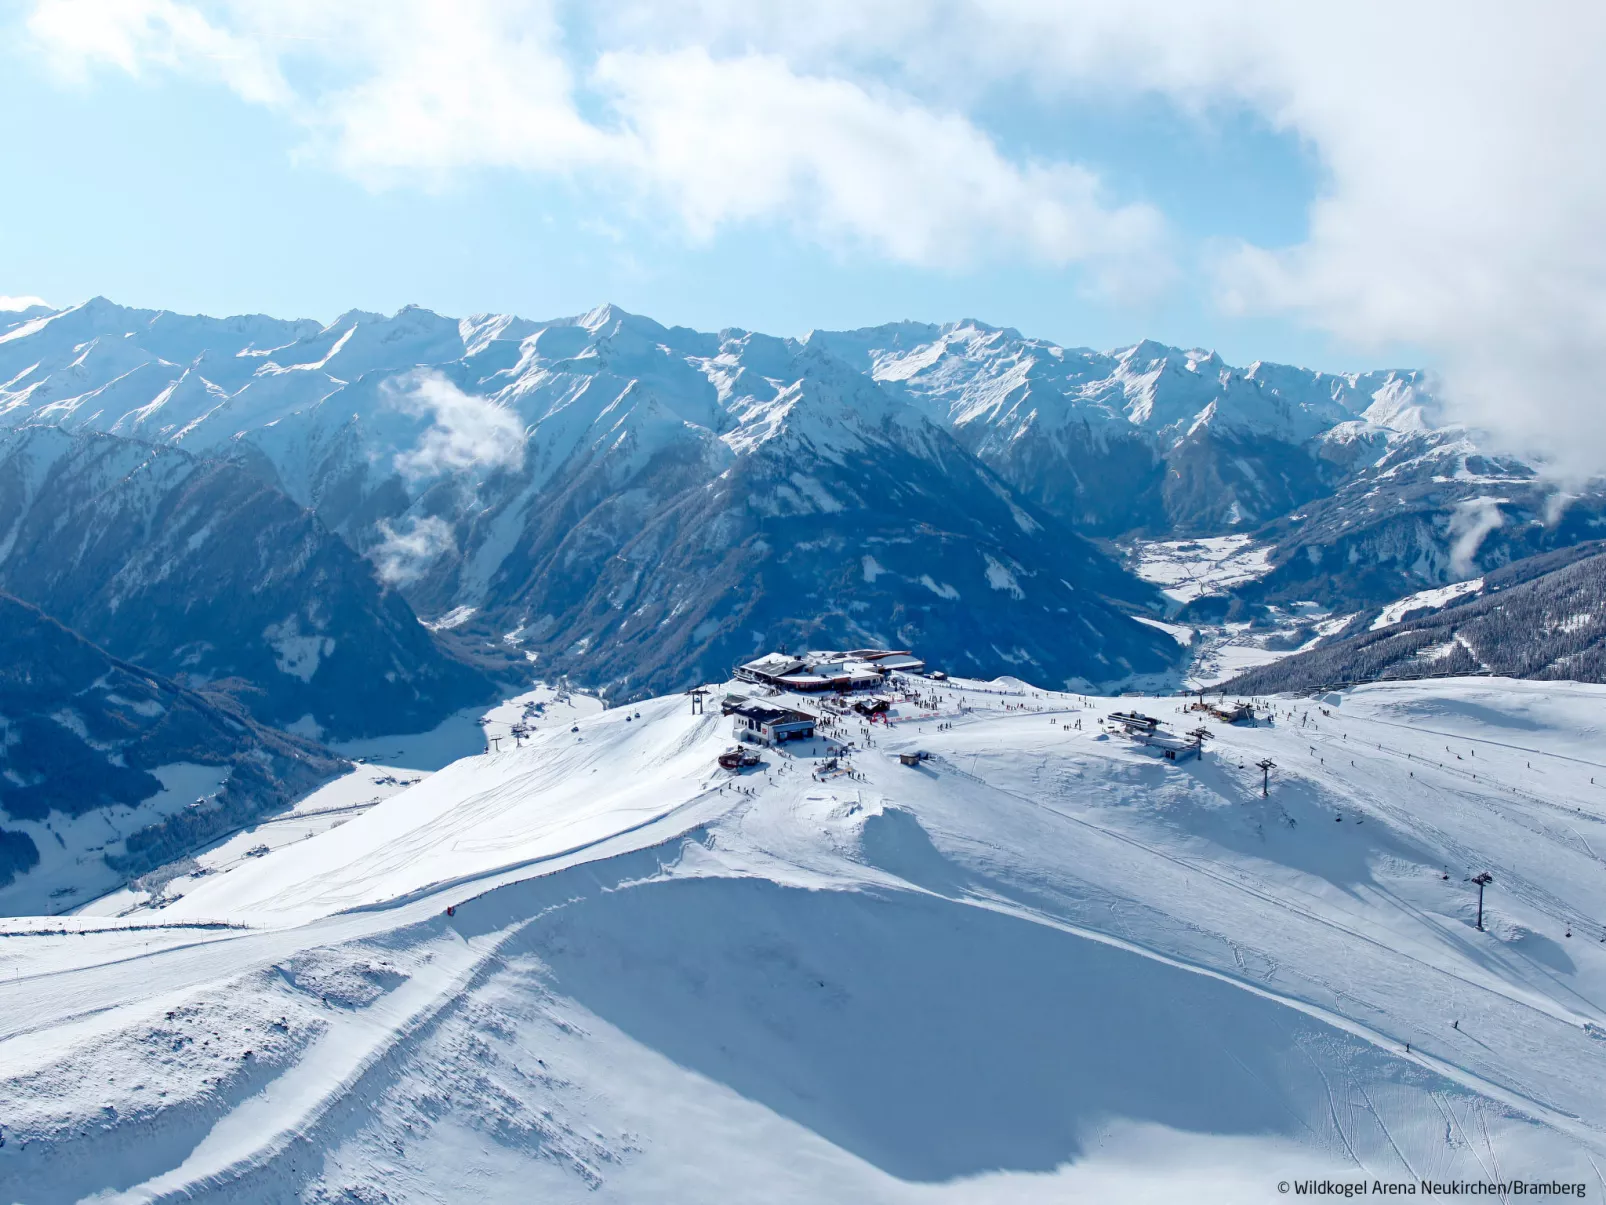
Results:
196 569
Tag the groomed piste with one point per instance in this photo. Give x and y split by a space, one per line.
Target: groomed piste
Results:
1041 963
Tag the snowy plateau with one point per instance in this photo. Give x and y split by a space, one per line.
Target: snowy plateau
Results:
1038 964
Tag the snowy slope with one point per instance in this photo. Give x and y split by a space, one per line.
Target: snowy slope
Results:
1040 965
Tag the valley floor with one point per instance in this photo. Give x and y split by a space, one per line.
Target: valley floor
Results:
1187 570
1038 965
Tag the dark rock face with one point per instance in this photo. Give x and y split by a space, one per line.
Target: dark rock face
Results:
1099 481
198 570
83 733
1544 618
1216 481
18 855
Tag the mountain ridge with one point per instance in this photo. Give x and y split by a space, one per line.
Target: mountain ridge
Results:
495 468
108 770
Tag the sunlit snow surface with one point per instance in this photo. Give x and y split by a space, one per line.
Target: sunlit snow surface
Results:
1425 600
387 765
1039 966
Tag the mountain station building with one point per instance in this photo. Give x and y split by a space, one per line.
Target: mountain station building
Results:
860 669
772 725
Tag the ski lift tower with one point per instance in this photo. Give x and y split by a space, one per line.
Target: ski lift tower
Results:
1482 879
697 695
1266 766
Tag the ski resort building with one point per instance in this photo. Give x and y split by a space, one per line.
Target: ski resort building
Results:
1229 713
1168 745
772 725
860 669
1145 730
1135 722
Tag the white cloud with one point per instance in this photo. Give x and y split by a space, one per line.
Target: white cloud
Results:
417 89
1459 210
12 304
136 34
403 557
1472 521
466 431
744 138
471 83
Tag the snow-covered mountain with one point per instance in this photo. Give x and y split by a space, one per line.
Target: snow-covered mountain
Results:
1149 437
201 571
1543 617
1360 491
108 770
1041 964
1419 509
634 504
640 505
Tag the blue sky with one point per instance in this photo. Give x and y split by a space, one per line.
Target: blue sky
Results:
1336 186
172 192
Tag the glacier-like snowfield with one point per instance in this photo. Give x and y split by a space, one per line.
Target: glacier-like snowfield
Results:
1040 965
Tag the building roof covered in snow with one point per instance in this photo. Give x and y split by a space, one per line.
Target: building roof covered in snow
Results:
823 669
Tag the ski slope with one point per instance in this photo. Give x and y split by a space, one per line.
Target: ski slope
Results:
1040 965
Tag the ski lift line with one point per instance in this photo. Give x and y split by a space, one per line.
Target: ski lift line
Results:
1519 886
1285 903
1490 800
